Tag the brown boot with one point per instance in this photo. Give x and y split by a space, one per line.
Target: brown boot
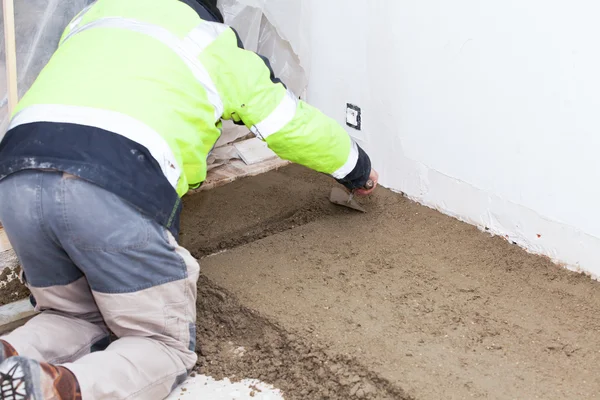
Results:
6 350
25 379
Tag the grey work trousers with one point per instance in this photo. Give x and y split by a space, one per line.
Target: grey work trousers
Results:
93 262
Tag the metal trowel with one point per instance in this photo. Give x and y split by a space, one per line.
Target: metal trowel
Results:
344 198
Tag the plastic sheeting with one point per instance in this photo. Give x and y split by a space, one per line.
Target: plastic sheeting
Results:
38 27
272 28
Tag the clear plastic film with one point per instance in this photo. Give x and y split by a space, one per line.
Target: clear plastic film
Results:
38 27
275 30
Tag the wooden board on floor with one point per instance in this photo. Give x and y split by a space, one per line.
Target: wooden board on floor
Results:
237 169
7 255
4 243
15 314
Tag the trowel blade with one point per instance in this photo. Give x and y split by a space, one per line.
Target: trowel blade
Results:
341 197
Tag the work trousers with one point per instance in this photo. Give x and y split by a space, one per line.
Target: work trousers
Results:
94 263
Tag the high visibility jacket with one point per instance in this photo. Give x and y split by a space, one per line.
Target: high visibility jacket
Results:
133 99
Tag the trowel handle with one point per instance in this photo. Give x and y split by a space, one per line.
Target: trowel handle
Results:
369 185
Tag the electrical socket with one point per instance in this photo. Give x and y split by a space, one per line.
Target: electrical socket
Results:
353 116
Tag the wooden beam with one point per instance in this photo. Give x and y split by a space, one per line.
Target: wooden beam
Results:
237 169
4 242
8 258
15 314
11 55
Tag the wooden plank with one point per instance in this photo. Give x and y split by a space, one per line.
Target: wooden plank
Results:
15 314
11 54
8 259
237 169
4 242
7 255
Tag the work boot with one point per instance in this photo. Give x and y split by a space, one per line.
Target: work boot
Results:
6 351
25 379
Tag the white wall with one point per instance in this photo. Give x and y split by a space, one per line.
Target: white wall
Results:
488 111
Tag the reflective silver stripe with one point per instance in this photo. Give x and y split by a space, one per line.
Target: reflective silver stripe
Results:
75 22
112 121
187 49
350 163
202 36
279 118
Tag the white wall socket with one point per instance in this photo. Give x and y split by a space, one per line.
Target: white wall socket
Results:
353 116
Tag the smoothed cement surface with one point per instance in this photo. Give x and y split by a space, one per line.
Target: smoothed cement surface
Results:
428 304
399 303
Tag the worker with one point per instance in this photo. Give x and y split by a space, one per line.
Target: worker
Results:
114 131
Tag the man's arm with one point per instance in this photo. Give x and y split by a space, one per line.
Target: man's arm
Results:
293 129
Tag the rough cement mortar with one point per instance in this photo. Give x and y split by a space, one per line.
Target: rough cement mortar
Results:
11 288
253 208
427 303
236 342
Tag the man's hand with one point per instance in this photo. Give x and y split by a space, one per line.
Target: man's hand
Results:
374 176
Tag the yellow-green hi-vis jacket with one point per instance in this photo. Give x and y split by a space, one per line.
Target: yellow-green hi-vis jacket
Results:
132 100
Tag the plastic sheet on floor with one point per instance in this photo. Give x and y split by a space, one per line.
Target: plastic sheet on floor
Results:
205 387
